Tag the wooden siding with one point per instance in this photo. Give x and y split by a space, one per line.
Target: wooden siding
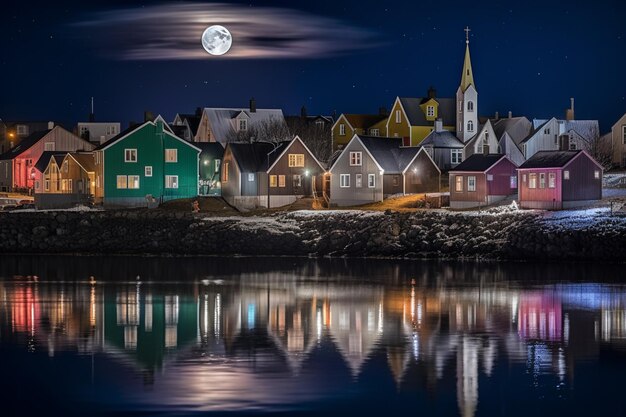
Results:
392 184
81 180
230 170
619 147
502 172
340 141
422 176
542 141
546 198
479 196
582 185
282 167
395 129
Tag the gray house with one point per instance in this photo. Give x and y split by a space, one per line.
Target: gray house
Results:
371 168
443 147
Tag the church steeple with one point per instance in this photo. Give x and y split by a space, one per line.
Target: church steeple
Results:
467 78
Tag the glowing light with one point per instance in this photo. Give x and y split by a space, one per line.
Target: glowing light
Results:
306 173
206 162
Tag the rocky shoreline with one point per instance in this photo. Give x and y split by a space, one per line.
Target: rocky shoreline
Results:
509 235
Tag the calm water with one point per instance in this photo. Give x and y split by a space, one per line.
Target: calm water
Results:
152 336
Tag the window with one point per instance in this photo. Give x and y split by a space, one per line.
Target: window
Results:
532 180
273 181
130 155
470 106
514 181
572 144
98 181
355 158
566 175
546 131
250 177
297 181
296 160
171 181
342 129
344 180
281 181
171 155
122 182
48 146
217 165
36 185
551 180
489 177
319 123
596 174
375 132
133 182
470 126
371 180
396 180
225 172
398 117
147 171
461 106
430 111
66 166
358 180
524 178
458 181
46 185
243 124
471 183
624 134
69 185
22 130
456 156
542 180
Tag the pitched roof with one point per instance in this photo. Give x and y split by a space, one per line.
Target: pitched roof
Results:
85 160
119 136
442 139
478 162
446 112
518 128
24 145
221 120
44 160
256 156
549 159
389 153
363 121
534 132
179 130
588 129
193 120
467 77
210 149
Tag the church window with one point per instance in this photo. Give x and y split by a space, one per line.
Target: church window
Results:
470 106
470 126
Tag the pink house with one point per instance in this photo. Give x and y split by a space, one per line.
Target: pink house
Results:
555 180
482 180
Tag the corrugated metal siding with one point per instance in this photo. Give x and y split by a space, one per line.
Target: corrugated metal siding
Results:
581 184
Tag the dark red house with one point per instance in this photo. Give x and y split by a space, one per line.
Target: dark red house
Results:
482 180
554 180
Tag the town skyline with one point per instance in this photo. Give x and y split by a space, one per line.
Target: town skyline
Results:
553 60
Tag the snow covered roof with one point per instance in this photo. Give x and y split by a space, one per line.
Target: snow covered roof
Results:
389 153
478 162
222 120
518 128
446 112
442 139
588 129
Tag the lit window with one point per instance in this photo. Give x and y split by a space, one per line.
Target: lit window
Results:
296 160
342 129
250 177
542 180
130 155
171 155
281 181
225 172
122 182
358 180
471 183
273 181
596 174
551 180
566 175
458 180
133 182
355 158
489 177
148 171
344 180
297 181
532 180
371 180
171 181
513 181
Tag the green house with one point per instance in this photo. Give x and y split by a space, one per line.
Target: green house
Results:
145 165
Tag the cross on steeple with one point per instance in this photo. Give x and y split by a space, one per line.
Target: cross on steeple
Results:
467 31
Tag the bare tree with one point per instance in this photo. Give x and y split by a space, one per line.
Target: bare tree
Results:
270 130
317 137
601 149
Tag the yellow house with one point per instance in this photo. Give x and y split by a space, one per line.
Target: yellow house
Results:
414 118
348 125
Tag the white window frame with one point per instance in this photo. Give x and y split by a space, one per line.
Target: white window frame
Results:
171 155
297 180
296 160
171 182
566 175
489 177
551 180
356 159
217 165
128 155
358 180
46 185
542 180
124 179
456 156
470 106
251 177
242 125
471 183
371 180
596 174
282 180
49 146
430 111
624 134
131 185
344 180
470 125
147 171
532 180
398 117
342 129
458 183
513 182
374 132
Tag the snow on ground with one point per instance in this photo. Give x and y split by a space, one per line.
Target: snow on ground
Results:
324 213
613 192
269 224
584 218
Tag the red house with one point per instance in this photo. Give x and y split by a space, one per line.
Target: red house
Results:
481 180
554 180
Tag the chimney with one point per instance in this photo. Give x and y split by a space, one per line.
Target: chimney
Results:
485 150
564 142
510 114
303 112
569 113
148 116
497 116
438 125
252 105
50 125
432 93
382 111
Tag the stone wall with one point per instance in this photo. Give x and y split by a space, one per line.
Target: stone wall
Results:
424 234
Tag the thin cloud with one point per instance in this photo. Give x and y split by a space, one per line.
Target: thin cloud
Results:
173 32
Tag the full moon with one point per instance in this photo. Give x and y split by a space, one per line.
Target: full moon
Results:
216 40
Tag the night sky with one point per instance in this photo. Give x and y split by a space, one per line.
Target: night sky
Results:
330 55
